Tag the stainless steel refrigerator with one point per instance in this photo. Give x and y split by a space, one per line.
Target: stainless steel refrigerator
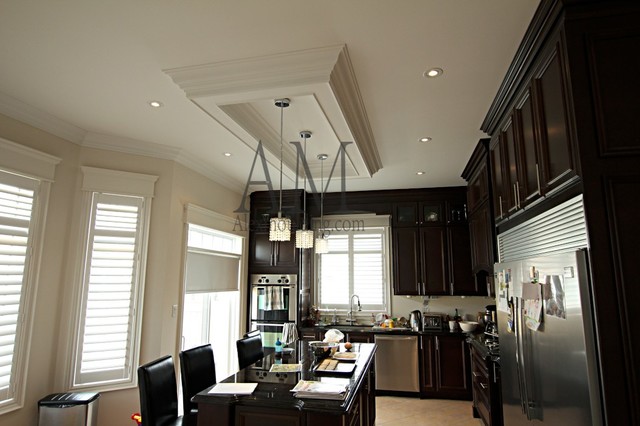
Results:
547 350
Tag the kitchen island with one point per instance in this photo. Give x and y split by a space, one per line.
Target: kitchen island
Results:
273 403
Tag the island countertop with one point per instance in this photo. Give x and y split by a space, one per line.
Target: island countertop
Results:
273 399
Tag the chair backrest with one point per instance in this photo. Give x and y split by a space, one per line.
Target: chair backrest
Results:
158 392
249 350
198 372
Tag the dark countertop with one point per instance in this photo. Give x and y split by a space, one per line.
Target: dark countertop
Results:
479 342
379 330
274 389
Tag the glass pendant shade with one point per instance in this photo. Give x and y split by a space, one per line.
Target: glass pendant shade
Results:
304 238
280 228
322 245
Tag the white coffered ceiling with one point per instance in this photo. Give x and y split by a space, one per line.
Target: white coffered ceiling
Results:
353 69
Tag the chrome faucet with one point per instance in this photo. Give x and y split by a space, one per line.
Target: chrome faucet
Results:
350 318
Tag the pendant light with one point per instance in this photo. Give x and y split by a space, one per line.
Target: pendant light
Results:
322 245
304 236
280 227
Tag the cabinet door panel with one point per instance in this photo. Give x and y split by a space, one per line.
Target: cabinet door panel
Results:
500 194
405 214
558 165
481 239
529 179
434 251
511 166
460 275
453 362
406 245
261 250
286 253
427 364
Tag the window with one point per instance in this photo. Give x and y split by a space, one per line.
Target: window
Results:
23 200
212 299
112 275
357 263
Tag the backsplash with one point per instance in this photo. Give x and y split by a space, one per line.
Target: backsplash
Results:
468 307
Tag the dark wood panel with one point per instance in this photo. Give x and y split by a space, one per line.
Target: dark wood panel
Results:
453 361
498 182
434 249
528 147
427 364
615 70
460 274
406 255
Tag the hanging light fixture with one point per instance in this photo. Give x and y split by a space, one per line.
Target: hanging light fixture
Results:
304 236
322 245
280 227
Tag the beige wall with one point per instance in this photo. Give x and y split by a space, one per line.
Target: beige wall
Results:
176 185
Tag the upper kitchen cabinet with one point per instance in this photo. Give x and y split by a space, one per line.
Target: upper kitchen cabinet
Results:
532 151
273 257
432 254
570 95
481 229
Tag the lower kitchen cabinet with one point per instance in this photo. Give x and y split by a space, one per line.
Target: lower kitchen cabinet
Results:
445 367
487 403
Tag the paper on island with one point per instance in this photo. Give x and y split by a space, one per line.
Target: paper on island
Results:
233 389
310 386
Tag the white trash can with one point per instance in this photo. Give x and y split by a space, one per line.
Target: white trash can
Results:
69 409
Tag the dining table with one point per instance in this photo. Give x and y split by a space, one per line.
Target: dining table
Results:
272 401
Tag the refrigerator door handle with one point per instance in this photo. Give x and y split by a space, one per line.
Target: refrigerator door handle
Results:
515 312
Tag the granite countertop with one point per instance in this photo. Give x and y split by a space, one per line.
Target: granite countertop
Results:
361 328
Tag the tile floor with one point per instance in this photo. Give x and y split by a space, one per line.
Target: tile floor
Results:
392 410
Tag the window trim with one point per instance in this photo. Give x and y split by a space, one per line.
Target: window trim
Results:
119 184
26 163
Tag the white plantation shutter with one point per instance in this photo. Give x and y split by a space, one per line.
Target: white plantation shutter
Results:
112 268
357 263
112 273
16 208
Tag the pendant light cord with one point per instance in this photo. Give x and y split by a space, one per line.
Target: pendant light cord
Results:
281 121
304 185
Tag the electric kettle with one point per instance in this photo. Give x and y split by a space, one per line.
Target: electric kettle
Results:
415 320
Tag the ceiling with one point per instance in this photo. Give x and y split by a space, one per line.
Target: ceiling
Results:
86 70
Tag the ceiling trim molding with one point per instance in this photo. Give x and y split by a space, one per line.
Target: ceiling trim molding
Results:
231 83
298 68
345 88
148 149
18 110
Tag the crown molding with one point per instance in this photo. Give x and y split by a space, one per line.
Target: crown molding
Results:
148 149
298 68
18 110
225 86
345 88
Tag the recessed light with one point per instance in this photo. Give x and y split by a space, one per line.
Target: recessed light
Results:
419 173
425 139
155 104
433 72
227 154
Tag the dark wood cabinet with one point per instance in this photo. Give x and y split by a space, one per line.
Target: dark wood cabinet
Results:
532 155
485 379
577 70
445 367
278 257
481 225
273 257
431 246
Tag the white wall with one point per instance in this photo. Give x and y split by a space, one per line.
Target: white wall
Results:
48 360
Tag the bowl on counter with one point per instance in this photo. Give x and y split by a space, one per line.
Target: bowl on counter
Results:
468 326
323 349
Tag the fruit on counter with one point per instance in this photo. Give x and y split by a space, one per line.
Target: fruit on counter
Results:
348 345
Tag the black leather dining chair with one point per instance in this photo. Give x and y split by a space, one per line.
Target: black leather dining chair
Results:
159 393
197 372
249 349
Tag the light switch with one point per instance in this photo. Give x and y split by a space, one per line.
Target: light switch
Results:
174 311
568 272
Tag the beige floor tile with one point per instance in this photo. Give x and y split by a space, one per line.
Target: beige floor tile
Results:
423 412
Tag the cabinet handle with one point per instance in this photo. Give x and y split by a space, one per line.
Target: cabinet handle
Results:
483 386
500 204
452 286
518 192
437 344
538 179
495 379
475 374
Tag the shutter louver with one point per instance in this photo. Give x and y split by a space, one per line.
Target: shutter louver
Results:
16 205
112 272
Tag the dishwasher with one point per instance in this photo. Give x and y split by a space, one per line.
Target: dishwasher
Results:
397 363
